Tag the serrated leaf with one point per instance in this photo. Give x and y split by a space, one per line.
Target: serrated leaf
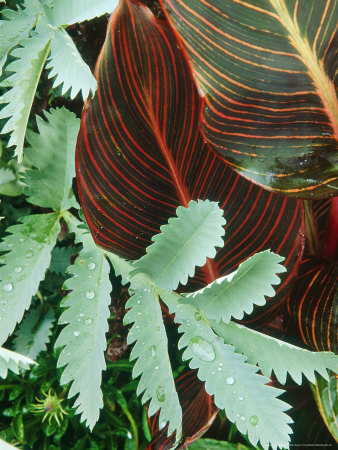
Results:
84 336
236 294
67 12
235 385
184 243
53 153
61 259
29 249
32 55
68 67
272 354
325 394
151 352
33 334
6 176
13 361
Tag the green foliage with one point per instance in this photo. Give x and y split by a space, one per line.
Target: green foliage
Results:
229 296
83 338
211 444
325 394
13 361
28 256
184 243
33 334
53 155
272 354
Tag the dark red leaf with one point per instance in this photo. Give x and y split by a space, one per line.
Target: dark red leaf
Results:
198 411
140 154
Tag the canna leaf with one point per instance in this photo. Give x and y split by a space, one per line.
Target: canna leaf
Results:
230 297
140 155
272 354
12 361
267 72
52 152
28 256
68 67
235 385
33 334
31 57
83 338
183 244
325 394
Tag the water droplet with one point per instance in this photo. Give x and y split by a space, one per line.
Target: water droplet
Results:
8 287
88 321
138 302
76 333
253 420
240 398
29 254
153 351
91 266
198 315
156 367
202 349
162 424
219 369
81 314
160 394
242 418
90 295
18 269
230 380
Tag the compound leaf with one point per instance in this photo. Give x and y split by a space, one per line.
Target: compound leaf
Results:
230 296
68 67
33 334
272 354
13 361
29 249
67 12
235 385
31 57
83 338
52 152
184 243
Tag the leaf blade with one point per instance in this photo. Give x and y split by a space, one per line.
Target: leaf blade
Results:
13 361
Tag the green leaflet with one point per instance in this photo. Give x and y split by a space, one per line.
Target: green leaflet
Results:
12 361
32 55
235 385
84 337
53 153
29 249
68 67
325 394
232 295
33 334
151 348
67 12
184 243
272 354
211 444
6 446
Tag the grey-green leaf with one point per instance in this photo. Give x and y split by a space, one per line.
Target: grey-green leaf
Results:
272 354
236 294
84 337
184 243
13 361
53 153
29 249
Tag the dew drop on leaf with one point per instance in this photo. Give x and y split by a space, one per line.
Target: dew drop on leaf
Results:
198 315
160 394
88 321
202 349
230 380
76 333
91 266
90 295
153 351
18 269
253 420
8 287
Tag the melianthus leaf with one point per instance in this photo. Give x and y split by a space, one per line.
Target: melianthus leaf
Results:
29 249
150 349
236 386
232 297
83 338
272 354
68 67
6 176
33 334
184 243
67 12
6 445
52 152
32 55
13 361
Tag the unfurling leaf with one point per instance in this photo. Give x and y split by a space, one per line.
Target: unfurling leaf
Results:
28 256
13 361
183 244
